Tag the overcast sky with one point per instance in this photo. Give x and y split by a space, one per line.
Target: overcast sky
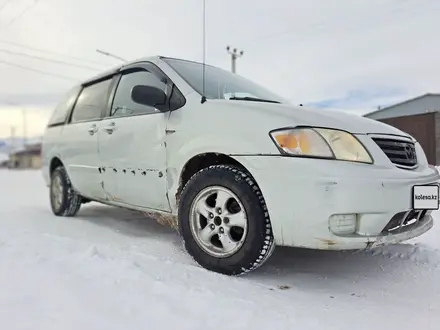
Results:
347 54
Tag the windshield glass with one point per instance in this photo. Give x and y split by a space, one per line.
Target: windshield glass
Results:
219 83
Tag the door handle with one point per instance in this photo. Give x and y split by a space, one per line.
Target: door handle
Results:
93 129
110 129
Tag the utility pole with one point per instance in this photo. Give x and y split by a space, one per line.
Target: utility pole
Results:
12 140
23 111
24 119
111 55
234 55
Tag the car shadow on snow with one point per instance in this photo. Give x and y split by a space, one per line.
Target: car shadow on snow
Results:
288 266
124 221
147 233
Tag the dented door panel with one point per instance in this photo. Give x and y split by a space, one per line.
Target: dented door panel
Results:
134 160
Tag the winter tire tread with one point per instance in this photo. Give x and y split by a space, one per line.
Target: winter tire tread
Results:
243 184
71 200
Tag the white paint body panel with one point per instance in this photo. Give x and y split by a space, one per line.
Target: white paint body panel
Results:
301 194
137 143
78 149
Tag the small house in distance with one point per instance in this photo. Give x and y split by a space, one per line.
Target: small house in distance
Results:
4 160
28 157
418 117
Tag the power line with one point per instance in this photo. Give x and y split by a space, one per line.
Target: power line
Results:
38 71
21 14
5 3
49 52
48 59
323 24
310 28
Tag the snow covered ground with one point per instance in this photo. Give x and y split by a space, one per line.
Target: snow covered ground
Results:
114 269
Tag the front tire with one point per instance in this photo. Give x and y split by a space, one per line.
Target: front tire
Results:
224 222
64 200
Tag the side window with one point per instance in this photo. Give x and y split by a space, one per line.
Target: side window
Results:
123 104
92 100
62 109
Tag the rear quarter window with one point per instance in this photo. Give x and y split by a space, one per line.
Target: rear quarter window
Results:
61 111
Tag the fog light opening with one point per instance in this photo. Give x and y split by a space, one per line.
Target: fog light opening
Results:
343 224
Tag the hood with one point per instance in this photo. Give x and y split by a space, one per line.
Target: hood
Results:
291 115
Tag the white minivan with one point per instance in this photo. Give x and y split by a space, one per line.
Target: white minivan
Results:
234 167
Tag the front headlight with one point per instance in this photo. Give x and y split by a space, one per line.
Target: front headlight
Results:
321 143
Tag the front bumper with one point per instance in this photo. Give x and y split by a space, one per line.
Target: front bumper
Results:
403 234
303 194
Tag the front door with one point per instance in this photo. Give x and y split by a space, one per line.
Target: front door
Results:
80 140
132 148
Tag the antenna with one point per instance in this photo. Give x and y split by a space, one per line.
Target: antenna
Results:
203 100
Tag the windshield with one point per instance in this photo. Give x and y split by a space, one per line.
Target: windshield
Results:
220 84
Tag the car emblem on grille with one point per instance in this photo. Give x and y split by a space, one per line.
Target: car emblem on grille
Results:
410 154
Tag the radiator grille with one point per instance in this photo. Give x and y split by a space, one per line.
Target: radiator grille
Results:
400 153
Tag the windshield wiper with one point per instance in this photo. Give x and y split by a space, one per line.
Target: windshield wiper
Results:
256 99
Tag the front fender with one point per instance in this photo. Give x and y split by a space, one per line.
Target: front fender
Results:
181 151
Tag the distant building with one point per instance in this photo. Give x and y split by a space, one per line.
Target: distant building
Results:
419 117
4 159
28 157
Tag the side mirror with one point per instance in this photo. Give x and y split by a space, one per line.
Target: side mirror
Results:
148 95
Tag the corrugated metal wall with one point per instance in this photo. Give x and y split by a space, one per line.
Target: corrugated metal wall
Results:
423 128
423 104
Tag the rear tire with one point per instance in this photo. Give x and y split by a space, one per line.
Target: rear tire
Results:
64 200
224 222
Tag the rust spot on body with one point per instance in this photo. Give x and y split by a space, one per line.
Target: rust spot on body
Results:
165 219
327 242
116 199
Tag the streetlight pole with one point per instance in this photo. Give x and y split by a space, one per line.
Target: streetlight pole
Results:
111 55
234 55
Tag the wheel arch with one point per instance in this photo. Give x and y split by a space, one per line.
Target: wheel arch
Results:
54 163
204 160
